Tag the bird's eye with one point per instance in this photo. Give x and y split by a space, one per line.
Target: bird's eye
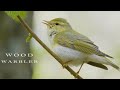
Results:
56 23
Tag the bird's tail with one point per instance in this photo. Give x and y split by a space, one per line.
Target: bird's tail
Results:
114 66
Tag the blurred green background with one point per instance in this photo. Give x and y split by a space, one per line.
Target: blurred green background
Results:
12 40
102 27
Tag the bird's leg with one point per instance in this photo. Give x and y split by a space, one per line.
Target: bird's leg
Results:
79 69
65 64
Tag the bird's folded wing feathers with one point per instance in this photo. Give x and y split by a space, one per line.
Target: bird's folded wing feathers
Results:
78 42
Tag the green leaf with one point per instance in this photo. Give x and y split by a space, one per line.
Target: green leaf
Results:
14 14
29 38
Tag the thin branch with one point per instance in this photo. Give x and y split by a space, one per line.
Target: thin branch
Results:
27 28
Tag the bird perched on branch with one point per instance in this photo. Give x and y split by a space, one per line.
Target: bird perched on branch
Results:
74 48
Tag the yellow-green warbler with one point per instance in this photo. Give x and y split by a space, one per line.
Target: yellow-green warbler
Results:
74 48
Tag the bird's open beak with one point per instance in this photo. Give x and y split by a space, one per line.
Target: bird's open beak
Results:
46 22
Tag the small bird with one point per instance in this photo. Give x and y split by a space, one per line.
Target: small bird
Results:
74 48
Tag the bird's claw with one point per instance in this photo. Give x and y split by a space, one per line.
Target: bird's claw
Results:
64 65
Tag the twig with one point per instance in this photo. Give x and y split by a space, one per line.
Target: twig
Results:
27 28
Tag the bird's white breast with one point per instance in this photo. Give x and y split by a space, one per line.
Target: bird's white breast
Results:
69 54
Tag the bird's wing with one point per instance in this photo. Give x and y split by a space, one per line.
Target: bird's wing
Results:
78 42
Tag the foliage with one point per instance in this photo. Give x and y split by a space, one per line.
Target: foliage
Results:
28 38
14 14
